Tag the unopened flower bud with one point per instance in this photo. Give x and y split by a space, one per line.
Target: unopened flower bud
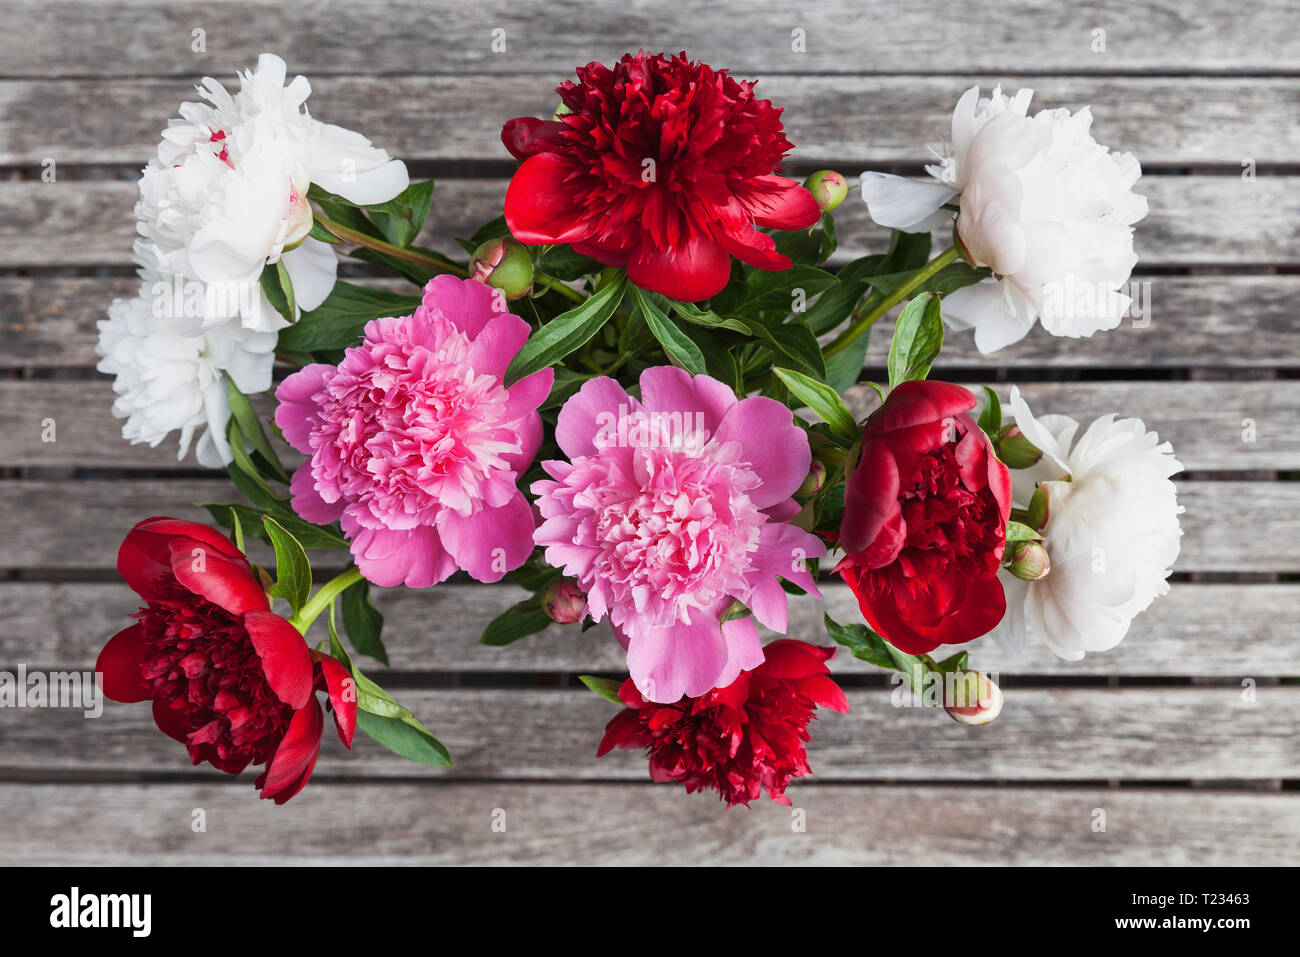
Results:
503 264
297 223
1016 451
1037 514
564 602
971 698
815 480
1029 561
827 187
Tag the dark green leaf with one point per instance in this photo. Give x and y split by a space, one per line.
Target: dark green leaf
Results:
793 340
990 419
338 321
404 737
918 337
1016 532
402 217
562 263
286 286
775 290
494 229
566 332
863 643
292 570
948 279
517 621
363 622
843 368
250 518
679 348
274 294
251 428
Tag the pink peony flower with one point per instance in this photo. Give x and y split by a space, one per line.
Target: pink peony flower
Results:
670 510
416 444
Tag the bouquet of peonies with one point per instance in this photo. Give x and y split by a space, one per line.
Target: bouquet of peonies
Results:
635 399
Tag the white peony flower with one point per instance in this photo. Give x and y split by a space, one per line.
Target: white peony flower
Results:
1112 532
168 380
227 192
1041 203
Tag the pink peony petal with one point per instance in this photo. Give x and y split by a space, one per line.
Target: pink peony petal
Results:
297 409
593 410
492 541
670 389
414 557
307 501
775 448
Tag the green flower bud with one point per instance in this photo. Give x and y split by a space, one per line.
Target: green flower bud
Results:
827 187
815 480
564 602
1037 514
971 698
1029 561
503 264
1016 451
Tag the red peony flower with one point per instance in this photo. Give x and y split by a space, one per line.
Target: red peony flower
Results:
661 165
231 680
924 524
739 739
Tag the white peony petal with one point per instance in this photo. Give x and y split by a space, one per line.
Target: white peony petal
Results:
899 203
344 162
312 269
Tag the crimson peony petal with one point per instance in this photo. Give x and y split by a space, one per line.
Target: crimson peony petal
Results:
917 402
120 662
755 248
226 581
623 731
286 659
339 684
695 270
527 135
779 203
172 721
539 208
871 501
294 759
144 557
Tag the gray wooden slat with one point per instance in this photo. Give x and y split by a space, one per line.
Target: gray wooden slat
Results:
852 120
1229 631
1195 321
1194 220
640 825
1069 734
1203 420
154 37
1228 526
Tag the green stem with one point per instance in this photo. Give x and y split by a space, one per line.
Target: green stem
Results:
556 286
323 597
358 238
866 320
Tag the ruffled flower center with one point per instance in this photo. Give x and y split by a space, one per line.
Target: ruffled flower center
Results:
405 427
947 524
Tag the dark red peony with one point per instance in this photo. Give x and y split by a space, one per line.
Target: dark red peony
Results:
739 739
661 165
231 680
924 524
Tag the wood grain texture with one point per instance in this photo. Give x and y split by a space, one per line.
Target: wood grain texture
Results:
79 525
1194 221
641 825
1237 322
1071 734
1225 631
1203 420
154 37
1163 120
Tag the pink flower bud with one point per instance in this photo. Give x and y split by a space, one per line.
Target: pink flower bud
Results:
827 187
1029 561
503 264
971 698
564 602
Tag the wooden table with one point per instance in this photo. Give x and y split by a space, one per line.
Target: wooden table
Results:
1183 739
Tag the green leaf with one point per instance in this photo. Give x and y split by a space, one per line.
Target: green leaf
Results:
286 286
338 321
990 419
363 621
793 340
274 294
562 263
863 643
292 570
823 400
605 687
250 518
250 426
706 317
405 737
1016 532
567 382
834 305
774 290
493 229
413 272
948 279
957 662
402 217
918 337
237 531
566 332
679 348
517 621
843 368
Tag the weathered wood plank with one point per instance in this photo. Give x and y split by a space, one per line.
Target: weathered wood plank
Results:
1194 220
80 524
1074 734
154 37
640 825
1195 321
1229 631
1203 420
852 120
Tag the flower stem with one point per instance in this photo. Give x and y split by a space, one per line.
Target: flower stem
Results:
358 238
323 597
865 321
556 286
